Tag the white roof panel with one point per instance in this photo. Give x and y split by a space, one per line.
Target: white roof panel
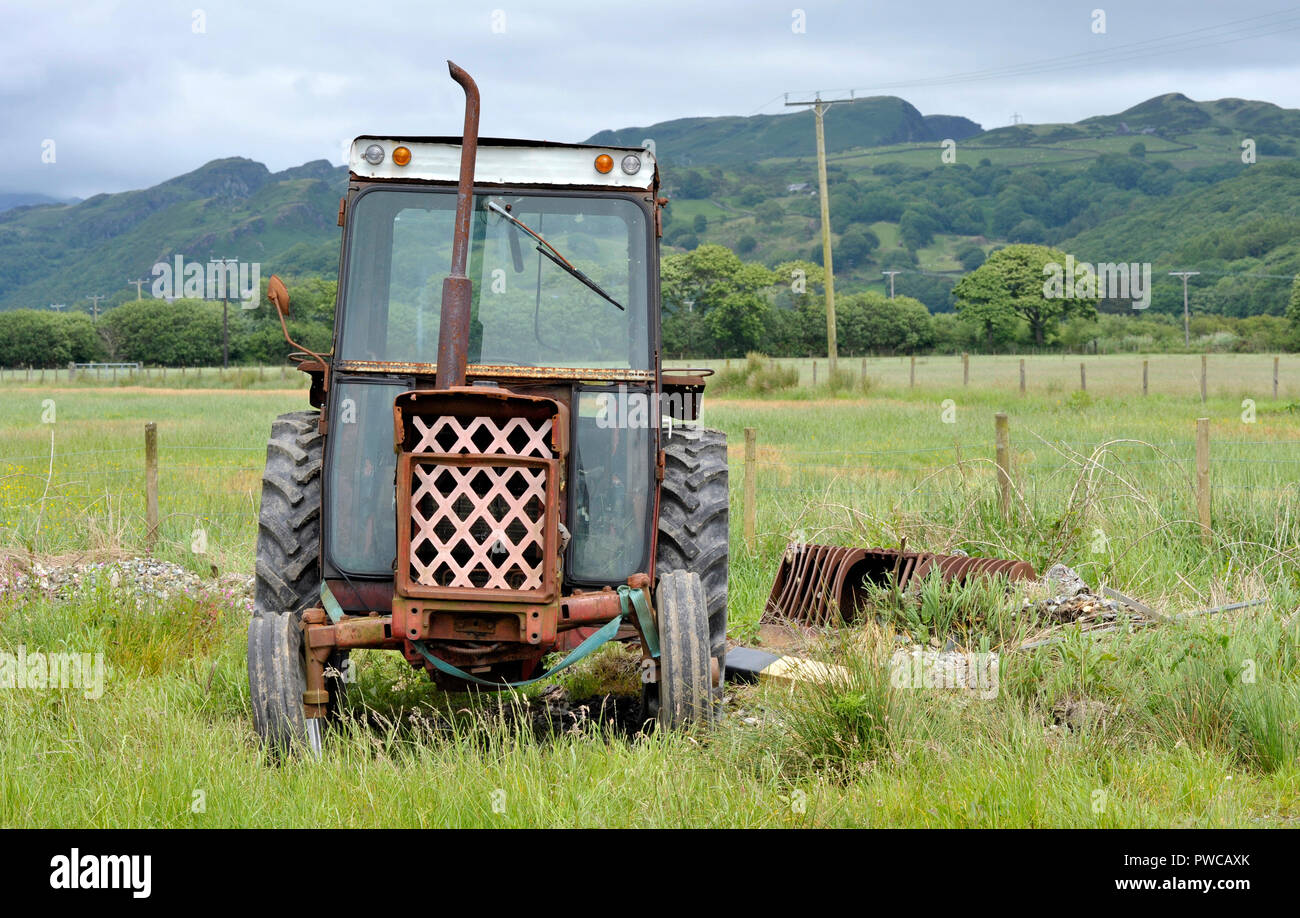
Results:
503 163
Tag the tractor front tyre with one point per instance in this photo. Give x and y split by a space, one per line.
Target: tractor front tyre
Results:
693 520
685 687
288 581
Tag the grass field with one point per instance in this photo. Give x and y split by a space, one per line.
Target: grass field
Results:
1104 482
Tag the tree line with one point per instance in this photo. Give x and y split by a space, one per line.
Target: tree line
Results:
715 304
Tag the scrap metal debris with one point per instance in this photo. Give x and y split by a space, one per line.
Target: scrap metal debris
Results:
827 584
1073 603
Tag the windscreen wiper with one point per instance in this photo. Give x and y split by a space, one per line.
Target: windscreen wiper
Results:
554 254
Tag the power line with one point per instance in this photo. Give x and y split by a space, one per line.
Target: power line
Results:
1176 42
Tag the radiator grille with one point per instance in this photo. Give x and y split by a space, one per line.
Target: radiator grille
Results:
476 522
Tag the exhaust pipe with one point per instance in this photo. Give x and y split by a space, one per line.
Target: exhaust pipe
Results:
457 291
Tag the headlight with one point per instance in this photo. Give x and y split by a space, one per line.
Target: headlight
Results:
374 154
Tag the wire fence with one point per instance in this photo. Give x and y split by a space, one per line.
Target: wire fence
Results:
217 486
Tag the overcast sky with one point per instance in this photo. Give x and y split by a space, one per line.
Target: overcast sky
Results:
133 93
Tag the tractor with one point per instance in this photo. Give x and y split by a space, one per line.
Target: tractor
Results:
496 474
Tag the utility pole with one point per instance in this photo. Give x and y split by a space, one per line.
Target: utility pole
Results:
57 306
94 300
139 285
819 106
890 275
1015 118
1187 326
225 312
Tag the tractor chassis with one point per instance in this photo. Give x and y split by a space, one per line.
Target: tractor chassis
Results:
474 637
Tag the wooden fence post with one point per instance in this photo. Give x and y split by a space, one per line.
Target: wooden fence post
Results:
1145 367
1275 360
751 491
151 484
1022 376
911 378
1002 439
814 371
965 368
1083 377
1203 476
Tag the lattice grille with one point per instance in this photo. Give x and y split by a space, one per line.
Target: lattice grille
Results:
478 526
487 436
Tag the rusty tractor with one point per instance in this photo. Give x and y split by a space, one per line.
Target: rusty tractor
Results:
500 471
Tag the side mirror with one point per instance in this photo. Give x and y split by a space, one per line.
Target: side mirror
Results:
278 294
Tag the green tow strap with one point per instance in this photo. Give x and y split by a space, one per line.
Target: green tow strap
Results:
626 596
332 607
648 627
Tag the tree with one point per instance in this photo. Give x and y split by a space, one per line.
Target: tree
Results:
855 247
1014 283
746 244
800 280
736 325
700 224
916 230
1293 308
693 185
970 257
769 212
179 333
879 205
873 323
35 338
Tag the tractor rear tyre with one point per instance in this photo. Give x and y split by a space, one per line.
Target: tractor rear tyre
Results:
693 520
288 581
685 688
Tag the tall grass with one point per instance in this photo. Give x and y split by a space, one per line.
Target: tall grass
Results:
1190 722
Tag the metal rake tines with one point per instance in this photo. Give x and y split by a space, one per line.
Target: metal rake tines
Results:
825 584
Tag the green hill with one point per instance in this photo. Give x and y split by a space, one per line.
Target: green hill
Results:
869 122
1163 181
232 208
1174 113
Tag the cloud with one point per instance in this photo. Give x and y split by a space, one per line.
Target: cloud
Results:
132 94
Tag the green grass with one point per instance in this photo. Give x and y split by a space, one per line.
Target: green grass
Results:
1183 737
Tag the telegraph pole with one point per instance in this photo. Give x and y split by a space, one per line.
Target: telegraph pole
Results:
139 284
94 300
819 106
225 312
890 275
58 306
1187 326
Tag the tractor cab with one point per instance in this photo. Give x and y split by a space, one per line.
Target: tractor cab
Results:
535 328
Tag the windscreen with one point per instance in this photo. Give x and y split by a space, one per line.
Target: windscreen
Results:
526 309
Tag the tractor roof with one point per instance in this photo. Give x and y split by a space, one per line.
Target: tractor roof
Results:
515 163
